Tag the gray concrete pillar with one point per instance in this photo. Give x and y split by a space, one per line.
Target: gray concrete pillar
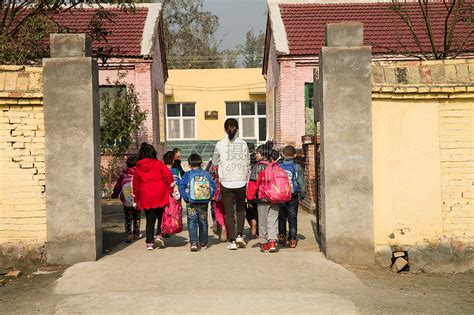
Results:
72 149
347 227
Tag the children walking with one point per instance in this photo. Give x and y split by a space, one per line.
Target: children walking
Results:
267 212
152 184
289 210
123 188
197 189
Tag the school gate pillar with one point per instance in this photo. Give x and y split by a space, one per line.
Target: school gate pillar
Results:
72 150
345 112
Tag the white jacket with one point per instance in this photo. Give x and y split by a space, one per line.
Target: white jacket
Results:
233 160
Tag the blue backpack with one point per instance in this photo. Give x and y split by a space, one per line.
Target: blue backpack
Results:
200 189
290 170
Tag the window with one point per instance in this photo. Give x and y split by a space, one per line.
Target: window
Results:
181 121
108 94
309 108
251 117
308 95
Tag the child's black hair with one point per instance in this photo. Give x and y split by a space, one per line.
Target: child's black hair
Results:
176 150
147 151
195 160
132 161
275 155
168 158
251 147
265 151
289 151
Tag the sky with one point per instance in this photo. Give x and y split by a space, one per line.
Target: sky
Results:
237 17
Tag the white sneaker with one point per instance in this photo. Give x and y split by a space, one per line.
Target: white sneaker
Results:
232 245
240 241
159 242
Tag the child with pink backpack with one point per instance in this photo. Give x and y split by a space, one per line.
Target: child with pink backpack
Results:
268 186
123 188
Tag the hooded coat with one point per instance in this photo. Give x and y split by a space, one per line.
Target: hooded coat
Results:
152 184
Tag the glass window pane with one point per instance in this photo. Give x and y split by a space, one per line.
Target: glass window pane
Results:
188 110
173 110
188 128
262 129
261 108
232 109
248 127
173 128
248 108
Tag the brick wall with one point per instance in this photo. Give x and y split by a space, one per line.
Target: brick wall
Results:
457 167
22 164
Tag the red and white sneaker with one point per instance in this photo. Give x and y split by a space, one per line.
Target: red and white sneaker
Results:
150 246
264 248
272 246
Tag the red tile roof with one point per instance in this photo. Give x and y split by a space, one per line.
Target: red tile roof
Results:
384 30
125 29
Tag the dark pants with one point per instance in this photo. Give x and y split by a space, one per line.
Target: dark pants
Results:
132 216
289 212
151 217
229 195
197 220
252 212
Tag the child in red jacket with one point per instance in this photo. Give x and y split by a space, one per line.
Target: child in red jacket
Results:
152 184
123 188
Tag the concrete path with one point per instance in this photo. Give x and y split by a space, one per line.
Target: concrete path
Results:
215 280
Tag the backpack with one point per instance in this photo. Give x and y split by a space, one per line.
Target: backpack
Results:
274 185
127 191
290 169
200 190
172 217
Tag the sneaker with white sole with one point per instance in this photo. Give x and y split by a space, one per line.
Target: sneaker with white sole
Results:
159 242
150 246
194 247
231 245
240 241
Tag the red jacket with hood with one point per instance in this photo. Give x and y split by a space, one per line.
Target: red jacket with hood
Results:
152 184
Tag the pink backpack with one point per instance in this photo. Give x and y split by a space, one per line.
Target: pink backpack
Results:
275 185
172 217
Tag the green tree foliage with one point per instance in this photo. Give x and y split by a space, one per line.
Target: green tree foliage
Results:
25 26
252 50
121 117
190 35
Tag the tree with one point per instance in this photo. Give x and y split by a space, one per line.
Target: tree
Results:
190 34
121 119
453 19
252 50
25 25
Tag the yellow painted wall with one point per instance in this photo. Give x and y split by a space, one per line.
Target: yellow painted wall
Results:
407 177
210 89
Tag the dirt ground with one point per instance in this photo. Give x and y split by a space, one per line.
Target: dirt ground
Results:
385 293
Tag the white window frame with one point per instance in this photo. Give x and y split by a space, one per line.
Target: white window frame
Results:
256 118
181 118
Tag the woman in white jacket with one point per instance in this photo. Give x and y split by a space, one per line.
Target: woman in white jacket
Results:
232 156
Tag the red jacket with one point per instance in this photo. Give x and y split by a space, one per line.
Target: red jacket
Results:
151 184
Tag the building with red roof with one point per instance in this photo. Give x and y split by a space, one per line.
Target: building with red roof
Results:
295 35
134 47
